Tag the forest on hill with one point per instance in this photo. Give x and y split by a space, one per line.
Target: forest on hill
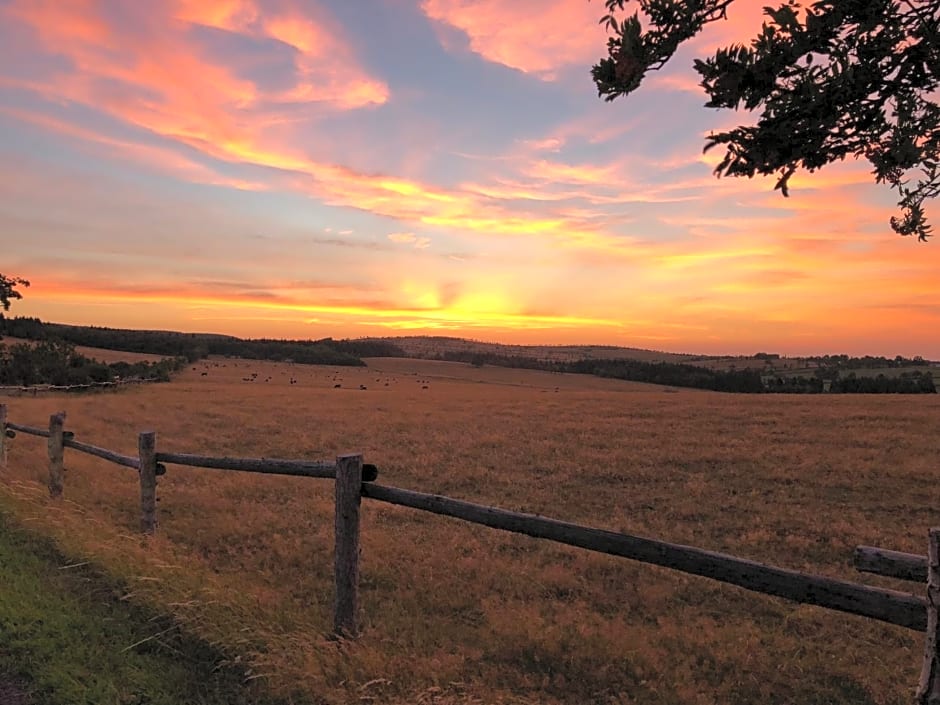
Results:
828 379
56 362
196 346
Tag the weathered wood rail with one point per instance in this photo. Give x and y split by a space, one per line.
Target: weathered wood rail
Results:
36 389
273 466
894 564
885 605
354 480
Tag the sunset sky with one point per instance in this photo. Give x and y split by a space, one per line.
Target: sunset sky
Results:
303 169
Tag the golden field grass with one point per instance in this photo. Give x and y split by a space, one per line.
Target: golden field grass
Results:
457 613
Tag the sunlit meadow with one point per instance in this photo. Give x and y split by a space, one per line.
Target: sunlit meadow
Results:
457 613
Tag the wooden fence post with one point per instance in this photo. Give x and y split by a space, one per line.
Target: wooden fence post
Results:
56 453
928 691
146 447
3 436
348 491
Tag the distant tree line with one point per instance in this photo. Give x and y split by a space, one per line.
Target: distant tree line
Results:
673 374
365 347
56 362
301 352
867 361
668 373
916 382
479 359
195 346
747 381
906 383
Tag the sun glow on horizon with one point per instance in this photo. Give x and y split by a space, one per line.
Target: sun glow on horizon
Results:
284 168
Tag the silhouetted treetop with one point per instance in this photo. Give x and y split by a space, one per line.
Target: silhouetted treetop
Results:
8 290
828 79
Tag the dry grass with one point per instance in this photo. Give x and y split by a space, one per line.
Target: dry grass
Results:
459 613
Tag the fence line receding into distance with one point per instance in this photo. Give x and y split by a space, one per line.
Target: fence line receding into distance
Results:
354 480
36 389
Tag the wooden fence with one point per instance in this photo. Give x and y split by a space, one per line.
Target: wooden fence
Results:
36 389
354 480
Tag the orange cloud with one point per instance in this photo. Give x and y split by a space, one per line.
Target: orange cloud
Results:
232 15
76 19
323 62
541 37
177 92
327 70
534 36
186 82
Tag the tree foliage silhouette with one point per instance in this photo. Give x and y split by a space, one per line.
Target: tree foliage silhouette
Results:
8 292
831 79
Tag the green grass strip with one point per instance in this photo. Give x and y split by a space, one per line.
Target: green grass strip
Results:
67 638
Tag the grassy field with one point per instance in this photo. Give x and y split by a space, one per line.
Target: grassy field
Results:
456 613
68 637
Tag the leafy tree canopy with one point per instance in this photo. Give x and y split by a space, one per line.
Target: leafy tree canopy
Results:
8 290
830 79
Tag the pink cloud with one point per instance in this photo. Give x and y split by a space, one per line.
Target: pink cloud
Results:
534 36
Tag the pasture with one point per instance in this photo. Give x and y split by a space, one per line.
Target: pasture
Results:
455 613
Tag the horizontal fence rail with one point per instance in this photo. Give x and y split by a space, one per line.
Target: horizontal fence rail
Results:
273 466
893 564
103 453
36 388
889 606
28 429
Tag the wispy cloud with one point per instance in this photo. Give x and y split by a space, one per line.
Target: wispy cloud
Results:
410 239
534 36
